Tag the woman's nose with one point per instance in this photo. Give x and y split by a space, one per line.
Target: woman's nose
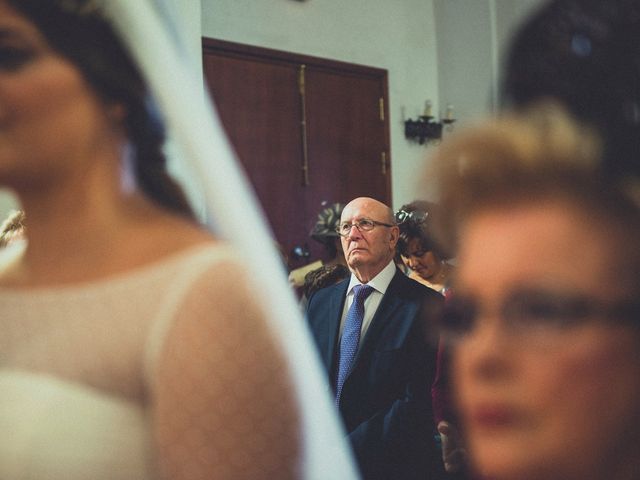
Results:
486 348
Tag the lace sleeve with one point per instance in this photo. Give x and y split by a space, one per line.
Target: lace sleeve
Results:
223 403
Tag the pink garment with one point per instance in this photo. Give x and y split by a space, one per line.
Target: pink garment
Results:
441 398
440 390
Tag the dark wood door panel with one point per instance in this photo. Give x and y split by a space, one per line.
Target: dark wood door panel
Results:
260 102
346 135
259 106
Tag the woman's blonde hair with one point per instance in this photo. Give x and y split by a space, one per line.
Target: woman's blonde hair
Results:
523 157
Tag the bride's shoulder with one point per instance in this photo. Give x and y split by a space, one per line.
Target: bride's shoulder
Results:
164 237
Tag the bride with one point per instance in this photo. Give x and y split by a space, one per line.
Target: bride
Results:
133 344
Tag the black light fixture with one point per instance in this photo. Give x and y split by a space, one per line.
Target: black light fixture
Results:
425 128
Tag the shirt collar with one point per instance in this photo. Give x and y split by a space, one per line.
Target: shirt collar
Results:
380 282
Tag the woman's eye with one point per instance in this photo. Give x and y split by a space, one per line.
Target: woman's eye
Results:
12 59
539 310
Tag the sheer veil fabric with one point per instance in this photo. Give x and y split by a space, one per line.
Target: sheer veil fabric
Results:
196 129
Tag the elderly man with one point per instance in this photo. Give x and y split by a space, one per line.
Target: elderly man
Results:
370 333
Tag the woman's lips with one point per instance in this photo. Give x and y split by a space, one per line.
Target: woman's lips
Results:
493 416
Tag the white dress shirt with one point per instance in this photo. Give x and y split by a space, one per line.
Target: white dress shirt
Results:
380 283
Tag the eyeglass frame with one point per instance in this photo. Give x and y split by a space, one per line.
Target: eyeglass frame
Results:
358 225
563 312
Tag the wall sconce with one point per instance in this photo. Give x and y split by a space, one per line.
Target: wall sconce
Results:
425 128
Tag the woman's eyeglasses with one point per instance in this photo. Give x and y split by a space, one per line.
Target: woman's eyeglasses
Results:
415 216
363 225
529 313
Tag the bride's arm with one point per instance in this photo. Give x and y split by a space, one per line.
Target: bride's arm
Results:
223 404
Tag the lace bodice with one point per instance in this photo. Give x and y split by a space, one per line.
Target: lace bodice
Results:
119 368
98 334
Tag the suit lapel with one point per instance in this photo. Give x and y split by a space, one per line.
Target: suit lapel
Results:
336 305
390 303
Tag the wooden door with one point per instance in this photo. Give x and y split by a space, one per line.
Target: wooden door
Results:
308 132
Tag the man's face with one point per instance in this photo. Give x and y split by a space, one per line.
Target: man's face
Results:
368 252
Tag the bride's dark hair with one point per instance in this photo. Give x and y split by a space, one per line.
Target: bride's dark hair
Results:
78 31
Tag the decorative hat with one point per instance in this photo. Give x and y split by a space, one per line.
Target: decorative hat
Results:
328 220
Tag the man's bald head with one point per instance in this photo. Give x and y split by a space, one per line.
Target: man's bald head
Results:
368 252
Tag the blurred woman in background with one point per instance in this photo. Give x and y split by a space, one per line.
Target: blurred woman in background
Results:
426 261
545 331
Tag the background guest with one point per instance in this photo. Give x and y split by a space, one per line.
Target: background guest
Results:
322 277
418 249
324 232
545 357
370 333
427 263
583 54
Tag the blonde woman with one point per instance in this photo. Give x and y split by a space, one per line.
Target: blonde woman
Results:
544 323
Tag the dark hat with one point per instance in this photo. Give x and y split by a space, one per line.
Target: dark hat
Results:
328 220
584 54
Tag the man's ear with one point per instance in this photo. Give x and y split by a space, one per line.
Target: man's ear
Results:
394 233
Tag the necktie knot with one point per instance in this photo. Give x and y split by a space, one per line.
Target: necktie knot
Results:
361 292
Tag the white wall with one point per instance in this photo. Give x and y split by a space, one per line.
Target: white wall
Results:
472 38
448 51
189 18
397 35
465 30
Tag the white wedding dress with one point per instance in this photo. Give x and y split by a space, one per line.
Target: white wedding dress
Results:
77 368
82 366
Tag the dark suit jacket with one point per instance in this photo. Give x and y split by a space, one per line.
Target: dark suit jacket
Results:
386 401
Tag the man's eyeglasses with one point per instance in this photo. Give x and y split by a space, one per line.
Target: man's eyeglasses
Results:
415 216
533 313
363 225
